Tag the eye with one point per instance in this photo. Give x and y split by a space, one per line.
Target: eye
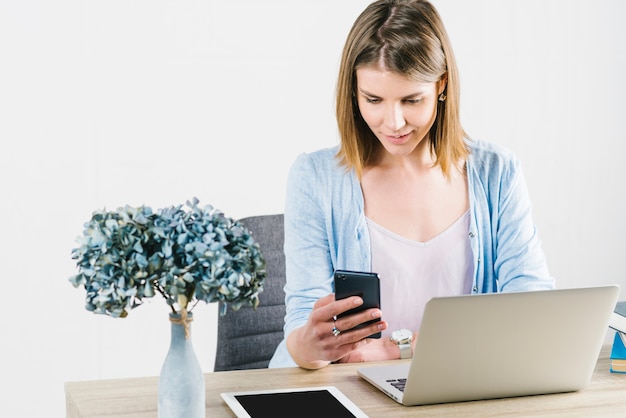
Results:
372 100
413 101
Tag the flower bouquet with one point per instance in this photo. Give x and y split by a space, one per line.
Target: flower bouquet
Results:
185 254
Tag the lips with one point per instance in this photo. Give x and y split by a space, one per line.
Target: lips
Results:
398 139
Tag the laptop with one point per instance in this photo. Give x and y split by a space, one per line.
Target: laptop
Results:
501 345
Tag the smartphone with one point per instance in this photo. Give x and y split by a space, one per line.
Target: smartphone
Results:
359 283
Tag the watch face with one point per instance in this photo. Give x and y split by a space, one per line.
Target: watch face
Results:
401 335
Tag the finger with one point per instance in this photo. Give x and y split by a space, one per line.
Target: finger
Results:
322 310
353 351
352 337
326 309
324 301
351 321
344 305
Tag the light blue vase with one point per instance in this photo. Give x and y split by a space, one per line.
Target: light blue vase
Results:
181 383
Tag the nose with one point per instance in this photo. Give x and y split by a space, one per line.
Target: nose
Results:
394 117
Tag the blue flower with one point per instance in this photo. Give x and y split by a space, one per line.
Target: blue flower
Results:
185 254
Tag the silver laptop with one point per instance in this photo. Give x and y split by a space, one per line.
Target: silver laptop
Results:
501 345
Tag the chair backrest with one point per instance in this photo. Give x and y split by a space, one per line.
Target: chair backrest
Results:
247 338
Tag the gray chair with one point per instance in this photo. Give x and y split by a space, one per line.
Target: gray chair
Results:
247 338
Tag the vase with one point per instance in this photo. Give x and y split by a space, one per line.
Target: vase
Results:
181 382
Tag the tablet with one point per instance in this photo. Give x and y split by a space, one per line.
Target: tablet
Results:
323 401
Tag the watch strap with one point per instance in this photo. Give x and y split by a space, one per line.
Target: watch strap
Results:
405 350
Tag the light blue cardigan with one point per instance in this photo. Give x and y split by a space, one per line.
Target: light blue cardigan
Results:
325 229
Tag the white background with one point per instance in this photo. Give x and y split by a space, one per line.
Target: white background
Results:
107 103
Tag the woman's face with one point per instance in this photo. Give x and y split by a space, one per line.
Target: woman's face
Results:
399 111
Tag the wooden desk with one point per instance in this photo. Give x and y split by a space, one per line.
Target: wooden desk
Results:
137 397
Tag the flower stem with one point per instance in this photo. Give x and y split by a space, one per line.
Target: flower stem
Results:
162 292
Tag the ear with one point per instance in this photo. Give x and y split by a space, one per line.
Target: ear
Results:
442 84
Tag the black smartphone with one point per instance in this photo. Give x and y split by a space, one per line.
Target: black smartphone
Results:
359 283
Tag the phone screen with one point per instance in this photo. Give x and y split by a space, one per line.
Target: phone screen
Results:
357 283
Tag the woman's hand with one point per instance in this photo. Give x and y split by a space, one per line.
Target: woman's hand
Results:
373 349
314 345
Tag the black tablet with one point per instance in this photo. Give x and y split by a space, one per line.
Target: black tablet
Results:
325 401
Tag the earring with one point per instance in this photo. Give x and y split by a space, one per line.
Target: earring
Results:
442 97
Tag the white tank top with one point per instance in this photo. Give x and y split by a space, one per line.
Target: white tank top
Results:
411 272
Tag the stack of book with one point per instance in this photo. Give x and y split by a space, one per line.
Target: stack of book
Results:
618 352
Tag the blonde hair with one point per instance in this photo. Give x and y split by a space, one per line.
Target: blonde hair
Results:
406 37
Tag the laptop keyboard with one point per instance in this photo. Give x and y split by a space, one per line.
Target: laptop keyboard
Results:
398 383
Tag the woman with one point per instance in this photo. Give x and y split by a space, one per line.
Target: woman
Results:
406 194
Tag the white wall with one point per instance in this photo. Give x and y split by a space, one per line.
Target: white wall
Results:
106 103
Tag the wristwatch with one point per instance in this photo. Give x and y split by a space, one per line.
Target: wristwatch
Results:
403 338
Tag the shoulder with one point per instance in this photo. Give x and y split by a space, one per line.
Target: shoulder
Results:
488 159
489 152
322 163
324 155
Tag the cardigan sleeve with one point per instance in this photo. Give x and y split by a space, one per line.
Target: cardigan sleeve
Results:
307 255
